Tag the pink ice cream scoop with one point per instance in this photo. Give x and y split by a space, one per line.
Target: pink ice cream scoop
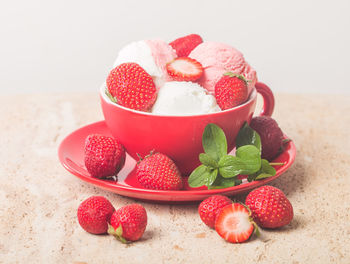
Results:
218 58
162 53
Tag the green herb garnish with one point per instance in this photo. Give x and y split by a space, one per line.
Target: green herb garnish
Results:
219 170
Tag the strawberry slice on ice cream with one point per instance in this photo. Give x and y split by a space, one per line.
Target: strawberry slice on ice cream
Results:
184 69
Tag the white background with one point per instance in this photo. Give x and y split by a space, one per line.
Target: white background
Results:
295 46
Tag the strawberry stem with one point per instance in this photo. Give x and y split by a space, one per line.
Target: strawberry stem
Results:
139 156
277 163
239 76
112 98
117 233
286 140
256 229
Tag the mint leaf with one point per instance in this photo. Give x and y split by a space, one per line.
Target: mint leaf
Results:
214 141
207 160
211 177
221 183
248 136
230 166
265 171
250 156
246 161
202 175
198 177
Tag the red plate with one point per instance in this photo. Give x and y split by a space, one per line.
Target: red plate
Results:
71 155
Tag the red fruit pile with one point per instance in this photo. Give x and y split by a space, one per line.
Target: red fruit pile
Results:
266 206
97 215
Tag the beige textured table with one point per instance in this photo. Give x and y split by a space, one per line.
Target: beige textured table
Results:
39 198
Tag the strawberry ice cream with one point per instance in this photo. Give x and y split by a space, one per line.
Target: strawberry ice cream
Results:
151 55
216 59
162 53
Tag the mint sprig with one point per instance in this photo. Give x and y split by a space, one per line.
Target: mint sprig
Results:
220 170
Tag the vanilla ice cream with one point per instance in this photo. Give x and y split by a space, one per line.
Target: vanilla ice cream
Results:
184 98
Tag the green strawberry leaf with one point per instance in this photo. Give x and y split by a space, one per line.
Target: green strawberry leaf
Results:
198 177
207 160
113 99
248 136
214 141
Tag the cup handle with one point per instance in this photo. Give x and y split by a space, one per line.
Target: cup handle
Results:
269 99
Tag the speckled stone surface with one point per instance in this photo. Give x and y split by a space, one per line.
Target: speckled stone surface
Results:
39 198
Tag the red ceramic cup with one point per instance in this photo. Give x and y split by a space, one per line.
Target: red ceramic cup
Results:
179 137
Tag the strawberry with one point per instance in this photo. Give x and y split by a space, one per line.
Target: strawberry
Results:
103 156
157 171
184 69
128 223
231 90
184 45
210 207
94 214
271 136
131 86
234 224
270 207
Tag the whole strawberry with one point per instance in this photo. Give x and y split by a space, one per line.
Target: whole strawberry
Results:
184 45
157 171
103 156
231 90
270 207
131 86
234 223
128 223
210 207
272 140
94 214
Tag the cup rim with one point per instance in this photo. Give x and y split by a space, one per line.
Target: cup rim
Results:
252 97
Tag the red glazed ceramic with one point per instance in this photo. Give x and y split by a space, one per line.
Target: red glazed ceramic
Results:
179 137
71 155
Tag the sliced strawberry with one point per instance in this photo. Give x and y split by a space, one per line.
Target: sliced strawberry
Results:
234 223
184 45
184 69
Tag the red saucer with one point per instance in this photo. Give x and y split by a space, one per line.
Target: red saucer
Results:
71 152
